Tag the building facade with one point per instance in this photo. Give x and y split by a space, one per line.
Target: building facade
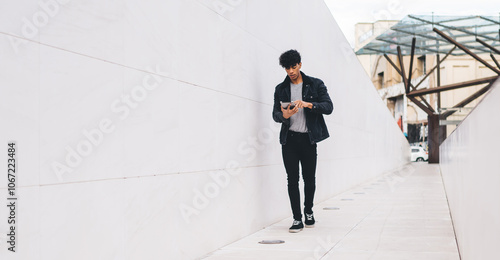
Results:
388 82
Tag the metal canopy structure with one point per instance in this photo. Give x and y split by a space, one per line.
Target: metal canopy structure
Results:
468 30
450 35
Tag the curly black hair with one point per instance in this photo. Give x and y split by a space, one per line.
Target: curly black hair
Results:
289 58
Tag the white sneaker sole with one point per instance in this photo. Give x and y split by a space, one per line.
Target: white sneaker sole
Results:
295 230
310 226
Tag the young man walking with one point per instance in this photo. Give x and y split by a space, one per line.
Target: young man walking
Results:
302 126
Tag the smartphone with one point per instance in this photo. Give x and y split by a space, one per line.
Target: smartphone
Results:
285 104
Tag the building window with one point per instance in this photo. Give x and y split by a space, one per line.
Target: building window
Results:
421 65
380 80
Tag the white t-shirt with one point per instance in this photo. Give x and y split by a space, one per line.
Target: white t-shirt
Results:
298 120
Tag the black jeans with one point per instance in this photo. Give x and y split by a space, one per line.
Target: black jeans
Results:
298 149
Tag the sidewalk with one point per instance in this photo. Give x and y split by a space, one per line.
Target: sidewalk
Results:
402 215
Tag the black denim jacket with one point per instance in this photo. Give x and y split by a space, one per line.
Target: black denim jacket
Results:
313 91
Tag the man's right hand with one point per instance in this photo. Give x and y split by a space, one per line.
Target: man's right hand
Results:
287 113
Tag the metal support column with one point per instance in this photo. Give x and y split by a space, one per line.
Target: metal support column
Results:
435 138
438 81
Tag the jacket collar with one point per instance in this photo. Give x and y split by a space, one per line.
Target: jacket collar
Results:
305 79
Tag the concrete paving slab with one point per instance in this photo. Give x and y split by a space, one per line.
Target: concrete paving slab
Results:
401 215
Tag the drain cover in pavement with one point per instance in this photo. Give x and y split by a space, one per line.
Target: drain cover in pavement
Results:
331 208
271 242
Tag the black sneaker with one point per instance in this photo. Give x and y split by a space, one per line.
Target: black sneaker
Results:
309 220
296 227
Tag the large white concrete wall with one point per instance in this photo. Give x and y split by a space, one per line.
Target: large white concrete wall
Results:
144 128
470 166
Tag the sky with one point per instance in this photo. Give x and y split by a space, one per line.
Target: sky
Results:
349 12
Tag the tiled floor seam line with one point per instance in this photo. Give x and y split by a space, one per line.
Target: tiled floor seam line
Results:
373 179
222 247
449 211
370 180
381 231
212 252
325 200
360 185
143 176
357 224
210 170
238 26
131 68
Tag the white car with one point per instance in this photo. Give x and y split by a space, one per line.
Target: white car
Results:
418 154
